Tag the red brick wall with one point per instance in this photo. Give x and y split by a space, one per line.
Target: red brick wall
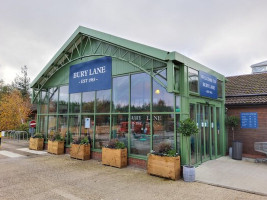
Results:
249 136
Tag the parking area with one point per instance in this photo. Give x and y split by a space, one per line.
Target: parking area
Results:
60 177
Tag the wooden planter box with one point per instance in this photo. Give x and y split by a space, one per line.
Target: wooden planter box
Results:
167 167
80 151
36 143
114 157
56 147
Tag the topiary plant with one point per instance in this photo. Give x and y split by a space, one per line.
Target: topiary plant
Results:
233 122
188 128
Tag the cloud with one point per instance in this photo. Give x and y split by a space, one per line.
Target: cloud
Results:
227 36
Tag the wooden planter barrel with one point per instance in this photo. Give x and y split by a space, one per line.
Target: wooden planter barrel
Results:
36 143
114 157
80 151
55 147
163 166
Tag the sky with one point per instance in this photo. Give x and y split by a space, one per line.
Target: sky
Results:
227 36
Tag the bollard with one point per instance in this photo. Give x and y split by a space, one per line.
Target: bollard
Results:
0 138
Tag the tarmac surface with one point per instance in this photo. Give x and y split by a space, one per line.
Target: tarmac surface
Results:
46 176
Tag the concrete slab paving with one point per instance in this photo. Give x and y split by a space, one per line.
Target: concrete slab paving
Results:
243 175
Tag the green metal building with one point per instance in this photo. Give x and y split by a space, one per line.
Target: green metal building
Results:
148 92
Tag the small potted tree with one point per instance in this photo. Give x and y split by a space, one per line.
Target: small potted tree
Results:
188 128
235 151
80 149
114 154
55 144
37 142
164 163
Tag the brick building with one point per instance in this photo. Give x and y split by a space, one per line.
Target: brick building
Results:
247 94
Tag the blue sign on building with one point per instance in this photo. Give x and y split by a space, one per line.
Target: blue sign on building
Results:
208 85
249 120
91 76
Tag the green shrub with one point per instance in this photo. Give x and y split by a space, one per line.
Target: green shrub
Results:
165 149
56 137
38 135
115 144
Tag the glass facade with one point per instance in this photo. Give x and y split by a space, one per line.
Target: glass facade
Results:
137 110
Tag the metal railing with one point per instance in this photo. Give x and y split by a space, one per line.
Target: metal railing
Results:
17 135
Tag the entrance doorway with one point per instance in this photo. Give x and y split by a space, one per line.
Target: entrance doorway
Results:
206 144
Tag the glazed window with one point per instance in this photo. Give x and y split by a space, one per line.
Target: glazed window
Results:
102 130
63 99
75 102
53 99
121 94
103 101
119 128
163 130
43 124
62 126
43 102
193 80
88 100
140 92
140 134
74 124
219 85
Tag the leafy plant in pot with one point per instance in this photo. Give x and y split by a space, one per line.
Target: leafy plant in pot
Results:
114 154
236 150
37 142
164 162
55 144
80 148
188 128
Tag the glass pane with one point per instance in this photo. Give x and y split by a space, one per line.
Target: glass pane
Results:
103 101
193 80
219 85
140 134
43 102
62 125
52 123
193 138
140 92
102 131
176 78
163 130
178 146
218 131
53 98
75 102
120 94
63 99
43 124
120 128
88 131
212 131
178 104
88 102
74 127
207 132
162 100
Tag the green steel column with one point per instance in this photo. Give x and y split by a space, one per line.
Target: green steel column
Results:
184 91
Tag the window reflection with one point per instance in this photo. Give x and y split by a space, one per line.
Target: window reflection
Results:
53 98
75 102
140 134
163 130
52 123
88 101
63 99
74 124
140 92
120 94
102 131
103 101
193 80
62 125
43 102
120 128
43 124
